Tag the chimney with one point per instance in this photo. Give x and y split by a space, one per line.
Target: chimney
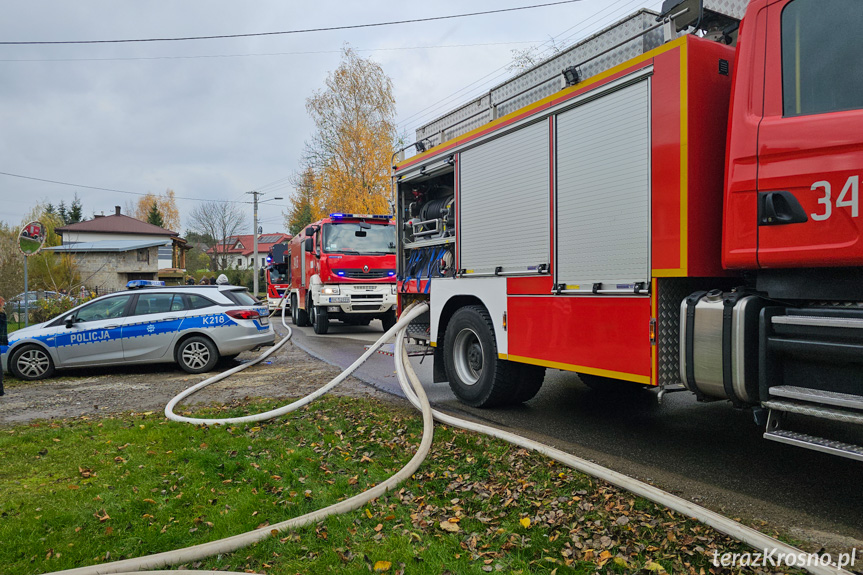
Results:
116 210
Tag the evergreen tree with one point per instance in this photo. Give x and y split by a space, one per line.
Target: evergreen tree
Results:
62 212
75 213
155 216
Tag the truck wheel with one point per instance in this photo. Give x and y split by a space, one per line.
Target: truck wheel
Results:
299 316
30 363
389 319
476 375
320 319
197 355
608 385
530 378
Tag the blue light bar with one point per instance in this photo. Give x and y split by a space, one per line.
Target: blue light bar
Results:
338 216
144 283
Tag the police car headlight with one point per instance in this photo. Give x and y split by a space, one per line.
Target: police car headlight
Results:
330 290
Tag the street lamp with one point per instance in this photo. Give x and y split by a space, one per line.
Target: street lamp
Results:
255 196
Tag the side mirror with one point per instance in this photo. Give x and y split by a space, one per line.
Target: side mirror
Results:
310 231
70 321
309 245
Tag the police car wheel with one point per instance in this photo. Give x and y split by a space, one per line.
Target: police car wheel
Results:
30 363
197 355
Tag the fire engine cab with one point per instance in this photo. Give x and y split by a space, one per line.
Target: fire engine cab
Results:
277 274
344 268
672 203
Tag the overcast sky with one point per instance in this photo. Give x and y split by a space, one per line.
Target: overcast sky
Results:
213 119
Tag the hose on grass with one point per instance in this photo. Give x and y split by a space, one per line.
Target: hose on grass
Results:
414 392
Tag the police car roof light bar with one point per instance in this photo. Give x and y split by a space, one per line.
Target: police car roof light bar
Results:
134 284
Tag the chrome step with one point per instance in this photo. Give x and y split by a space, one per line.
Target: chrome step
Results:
816 443
818 396
814 411
847 322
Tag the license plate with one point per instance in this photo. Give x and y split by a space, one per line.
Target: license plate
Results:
340 299
264 321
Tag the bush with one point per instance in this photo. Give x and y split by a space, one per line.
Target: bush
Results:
49 308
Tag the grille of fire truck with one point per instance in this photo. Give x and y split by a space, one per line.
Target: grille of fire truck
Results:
359 274
367 296
365 307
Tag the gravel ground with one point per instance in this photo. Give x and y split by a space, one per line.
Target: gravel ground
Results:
289 373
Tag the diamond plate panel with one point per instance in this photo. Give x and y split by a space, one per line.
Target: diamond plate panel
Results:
545 78
669 293
733 8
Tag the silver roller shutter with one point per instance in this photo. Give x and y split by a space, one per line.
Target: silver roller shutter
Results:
504 191
603 192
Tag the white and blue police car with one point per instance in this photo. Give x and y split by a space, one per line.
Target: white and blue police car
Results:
193 326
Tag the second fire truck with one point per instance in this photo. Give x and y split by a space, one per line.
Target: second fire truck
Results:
344 268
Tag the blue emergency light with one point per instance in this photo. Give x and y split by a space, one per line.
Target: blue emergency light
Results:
339 216
144 283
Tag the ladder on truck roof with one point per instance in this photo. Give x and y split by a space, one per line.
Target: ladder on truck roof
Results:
611 46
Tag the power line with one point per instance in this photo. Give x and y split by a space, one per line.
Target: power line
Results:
498 73
421 117
260 54
114 190
285 32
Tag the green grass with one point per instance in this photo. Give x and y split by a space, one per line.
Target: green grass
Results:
84 491
28 245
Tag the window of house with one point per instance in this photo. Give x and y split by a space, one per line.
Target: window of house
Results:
821 66
239 262
144 255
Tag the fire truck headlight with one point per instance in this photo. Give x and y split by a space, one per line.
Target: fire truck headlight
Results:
393 289
330 290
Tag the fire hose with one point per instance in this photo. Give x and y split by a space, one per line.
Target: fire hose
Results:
413 391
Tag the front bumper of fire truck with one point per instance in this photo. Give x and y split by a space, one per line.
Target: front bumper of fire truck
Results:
351 298
273 302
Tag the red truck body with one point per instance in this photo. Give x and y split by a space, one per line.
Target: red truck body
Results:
688 216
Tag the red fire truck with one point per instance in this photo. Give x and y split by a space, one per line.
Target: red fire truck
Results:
343 267
671 205
277 275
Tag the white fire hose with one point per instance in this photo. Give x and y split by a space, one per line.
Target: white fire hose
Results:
415 393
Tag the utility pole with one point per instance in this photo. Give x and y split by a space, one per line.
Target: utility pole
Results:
256 265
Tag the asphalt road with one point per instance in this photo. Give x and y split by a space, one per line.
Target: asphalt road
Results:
710 453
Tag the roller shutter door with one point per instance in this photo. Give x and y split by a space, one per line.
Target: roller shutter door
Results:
603 192
504 192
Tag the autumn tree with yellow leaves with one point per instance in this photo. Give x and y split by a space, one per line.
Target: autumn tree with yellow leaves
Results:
350 155
166 205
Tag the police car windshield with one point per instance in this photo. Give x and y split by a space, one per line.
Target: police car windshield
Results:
354 239
278 274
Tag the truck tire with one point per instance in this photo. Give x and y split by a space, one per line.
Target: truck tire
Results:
31 362
389 319
320 319
476 375
608 385
197 354
299 316
530 378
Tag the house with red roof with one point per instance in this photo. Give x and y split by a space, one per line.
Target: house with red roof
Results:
112 250
239 251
